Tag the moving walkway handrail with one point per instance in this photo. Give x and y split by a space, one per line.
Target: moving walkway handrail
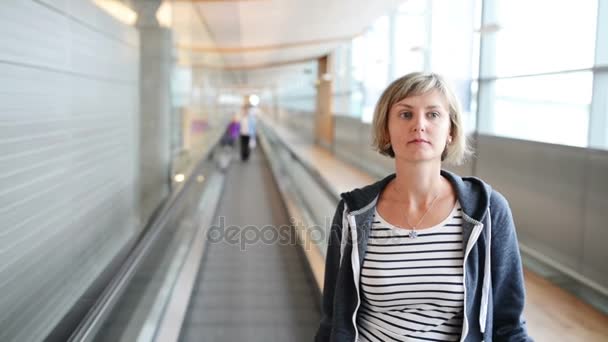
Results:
95 318
297 206
97 315
314 172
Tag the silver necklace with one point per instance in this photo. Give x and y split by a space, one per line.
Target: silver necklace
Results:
413 234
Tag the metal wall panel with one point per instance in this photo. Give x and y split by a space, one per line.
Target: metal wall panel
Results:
595 253
302 124
545 186
69 95
353 143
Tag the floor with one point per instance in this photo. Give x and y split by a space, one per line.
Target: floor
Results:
253 284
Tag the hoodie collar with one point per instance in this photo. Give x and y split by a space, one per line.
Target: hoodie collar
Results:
473 194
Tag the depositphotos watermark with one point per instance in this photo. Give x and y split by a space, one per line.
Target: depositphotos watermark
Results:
297 232
287 234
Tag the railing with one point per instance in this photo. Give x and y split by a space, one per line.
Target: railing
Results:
163 238
307 196
161 252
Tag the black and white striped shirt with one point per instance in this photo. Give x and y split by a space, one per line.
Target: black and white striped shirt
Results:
412 289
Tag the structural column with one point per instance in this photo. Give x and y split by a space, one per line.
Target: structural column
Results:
155 107
598 119
324 124
487 69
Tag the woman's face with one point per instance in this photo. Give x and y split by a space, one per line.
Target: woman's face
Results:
419 127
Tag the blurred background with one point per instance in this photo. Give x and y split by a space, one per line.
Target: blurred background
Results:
114 170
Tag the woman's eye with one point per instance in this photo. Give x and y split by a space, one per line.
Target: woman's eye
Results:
405 115
434 114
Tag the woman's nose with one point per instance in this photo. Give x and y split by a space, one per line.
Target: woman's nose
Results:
419 123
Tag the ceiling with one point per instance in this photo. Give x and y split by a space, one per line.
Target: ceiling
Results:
260 34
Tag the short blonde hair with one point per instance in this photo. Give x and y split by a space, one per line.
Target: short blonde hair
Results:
413 84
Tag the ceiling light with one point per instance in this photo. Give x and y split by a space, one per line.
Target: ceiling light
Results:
254 100
118 10
164 14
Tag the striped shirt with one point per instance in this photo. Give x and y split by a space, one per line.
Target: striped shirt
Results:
412 289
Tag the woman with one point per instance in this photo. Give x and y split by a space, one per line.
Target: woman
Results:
422 255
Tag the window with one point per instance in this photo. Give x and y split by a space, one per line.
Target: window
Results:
376 72
552 109
410 39
543 36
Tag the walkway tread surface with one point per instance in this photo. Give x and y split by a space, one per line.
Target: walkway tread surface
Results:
246 290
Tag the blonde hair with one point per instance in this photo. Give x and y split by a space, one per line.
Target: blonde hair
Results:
418 83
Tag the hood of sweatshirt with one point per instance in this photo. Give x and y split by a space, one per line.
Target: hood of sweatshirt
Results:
472 193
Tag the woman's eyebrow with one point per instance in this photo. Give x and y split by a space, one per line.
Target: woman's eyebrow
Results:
427 107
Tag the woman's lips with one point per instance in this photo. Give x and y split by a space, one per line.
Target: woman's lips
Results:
419 141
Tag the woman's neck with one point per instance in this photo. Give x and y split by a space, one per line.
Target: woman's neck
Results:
417 184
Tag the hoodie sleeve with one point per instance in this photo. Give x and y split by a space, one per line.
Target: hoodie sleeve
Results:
332 264
508 290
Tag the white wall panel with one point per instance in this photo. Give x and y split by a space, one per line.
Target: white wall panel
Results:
69 98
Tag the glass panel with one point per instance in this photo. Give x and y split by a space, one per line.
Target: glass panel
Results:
443 42
358 75
552 109
376 70
141 307
414 7
451 41
411 37
469 110
297 92
410 43
476 48
342 82
544 35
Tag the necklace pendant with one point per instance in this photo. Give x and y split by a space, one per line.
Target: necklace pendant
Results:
413 234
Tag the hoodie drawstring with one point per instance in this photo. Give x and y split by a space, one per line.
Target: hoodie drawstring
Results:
344 236
487 276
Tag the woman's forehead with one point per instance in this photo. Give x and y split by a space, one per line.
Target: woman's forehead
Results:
433 98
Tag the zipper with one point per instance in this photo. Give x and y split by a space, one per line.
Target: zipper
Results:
472 240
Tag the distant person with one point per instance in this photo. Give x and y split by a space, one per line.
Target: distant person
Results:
232 132
424 254
228 141
247 130
253 119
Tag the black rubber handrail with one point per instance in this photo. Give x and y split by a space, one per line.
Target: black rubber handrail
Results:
312 171
95 318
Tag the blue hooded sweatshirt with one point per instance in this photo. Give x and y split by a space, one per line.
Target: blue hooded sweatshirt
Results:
493 276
